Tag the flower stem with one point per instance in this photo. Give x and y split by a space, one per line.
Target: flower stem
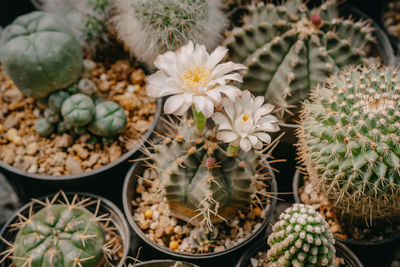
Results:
199 120
232 150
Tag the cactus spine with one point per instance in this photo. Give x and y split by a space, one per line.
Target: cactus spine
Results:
349 142
288 49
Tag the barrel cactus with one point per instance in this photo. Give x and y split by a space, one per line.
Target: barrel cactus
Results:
62 234
40 53
349 142
149 28
301 237
110 118
289 48
78 110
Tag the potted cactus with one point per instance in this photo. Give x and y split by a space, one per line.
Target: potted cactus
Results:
66 230
90 116
192 181
348 145
301 237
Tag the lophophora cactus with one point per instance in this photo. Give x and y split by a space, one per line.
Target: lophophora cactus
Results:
301 237
149 28
40 53
289 48
349 141
64 234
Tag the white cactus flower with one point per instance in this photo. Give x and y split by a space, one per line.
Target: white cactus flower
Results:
246 122
192 76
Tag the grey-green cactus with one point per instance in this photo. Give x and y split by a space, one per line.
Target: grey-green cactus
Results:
40 54
150 28
289 49
201 183
43 127
301 237
110 118
78 110
349 142
87 87
56 100
51 116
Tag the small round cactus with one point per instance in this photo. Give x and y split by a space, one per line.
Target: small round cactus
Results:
110 118
40 54
78 110
56 100
301 237
43 127
51 116
87 87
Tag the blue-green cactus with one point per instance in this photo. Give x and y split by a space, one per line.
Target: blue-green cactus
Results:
78 110
56 100
110 118
43 127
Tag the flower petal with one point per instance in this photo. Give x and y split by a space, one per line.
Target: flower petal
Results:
266 138
226 136
229 108
173 103
245 144
208 109
216 56
258 145
225 68
158 87
253 139
214 95
219 118
230 91
200 55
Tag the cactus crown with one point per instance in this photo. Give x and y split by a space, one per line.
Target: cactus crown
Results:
63 234
150 28
349 140
301 237
289 48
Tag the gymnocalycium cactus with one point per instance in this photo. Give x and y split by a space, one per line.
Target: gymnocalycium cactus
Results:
301 237
40 54
204 180
349 142
288 49
65 234
149 28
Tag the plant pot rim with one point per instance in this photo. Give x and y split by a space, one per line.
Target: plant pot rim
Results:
82 175
298 177
103 201
143 264
262 244
189 256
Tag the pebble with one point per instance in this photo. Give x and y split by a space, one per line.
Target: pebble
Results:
64 140
80 151
115 152
73 165
32 148
10 122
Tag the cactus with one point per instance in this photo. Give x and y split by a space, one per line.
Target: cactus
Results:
201 183
301 237
56 100
288 49
40 54
65 234
43 127
110 118
349 142
78 110
87 87
51 116
87 18
149 28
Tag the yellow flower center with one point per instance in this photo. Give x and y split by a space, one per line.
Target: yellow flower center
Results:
245 118
196 77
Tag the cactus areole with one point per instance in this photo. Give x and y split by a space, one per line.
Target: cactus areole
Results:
40 54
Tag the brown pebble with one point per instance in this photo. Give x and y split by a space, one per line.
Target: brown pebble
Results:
73 166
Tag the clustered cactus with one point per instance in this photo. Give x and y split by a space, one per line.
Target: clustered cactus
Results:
289 49
149 28
65 234
40 53
301 237
349 142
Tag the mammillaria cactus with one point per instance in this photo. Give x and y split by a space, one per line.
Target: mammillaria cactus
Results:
301 237
109 119
349 142
288 49
150 28
65 234
40 54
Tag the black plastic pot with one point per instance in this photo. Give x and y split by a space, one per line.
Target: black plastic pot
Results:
163 263
9 202
94 181
342 251
154 250
106 206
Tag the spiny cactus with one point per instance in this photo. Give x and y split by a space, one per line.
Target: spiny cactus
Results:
201 183
87 18
149 28
65 234
288 49
40 54
349 141
301 237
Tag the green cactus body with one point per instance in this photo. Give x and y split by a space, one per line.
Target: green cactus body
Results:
202 184
301 237
56 100
43 127
349 142
51 116
78 110
87 87
288 49
110 118
40 54
58 235
150 28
